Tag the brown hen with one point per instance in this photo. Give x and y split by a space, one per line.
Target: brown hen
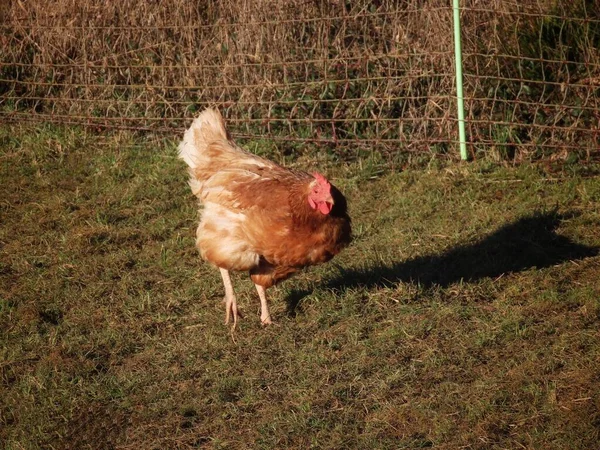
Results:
257 215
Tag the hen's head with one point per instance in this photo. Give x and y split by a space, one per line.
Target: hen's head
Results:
320 197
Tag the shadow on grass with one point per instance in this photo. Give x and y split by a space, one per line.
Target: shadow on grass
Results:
526 243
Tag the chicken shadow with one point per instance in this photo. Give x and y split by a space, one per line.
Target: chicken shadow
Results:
528 242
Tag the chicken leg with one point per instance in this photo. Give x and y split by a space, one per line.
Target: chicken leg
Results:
265 315
230 301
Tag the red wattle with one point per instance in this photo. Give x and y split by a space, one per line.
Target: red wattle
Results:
324 208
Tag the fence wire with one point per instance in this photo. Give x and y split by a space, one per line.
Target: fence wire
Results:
362 74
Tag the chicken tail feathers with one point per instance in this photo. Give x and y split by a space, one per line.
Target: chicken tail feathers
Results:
207 128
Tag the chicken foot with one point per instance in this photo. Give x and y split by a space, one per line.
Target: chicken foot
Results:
265 315
230 300
231 310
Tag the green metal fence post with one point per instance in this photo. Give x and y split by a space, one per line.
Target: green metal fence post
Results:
459 82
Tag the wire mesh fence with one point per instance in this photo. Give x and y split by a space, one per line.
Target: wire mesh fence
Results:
361 74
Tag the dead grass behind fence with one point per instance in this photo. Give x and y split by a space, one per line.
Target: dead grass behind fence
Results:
362 72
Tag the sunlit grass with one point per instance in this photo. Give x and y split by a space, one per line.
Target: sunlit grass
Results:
465 313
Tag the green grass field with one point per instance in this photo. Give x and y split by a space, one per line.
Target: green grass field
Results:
466 313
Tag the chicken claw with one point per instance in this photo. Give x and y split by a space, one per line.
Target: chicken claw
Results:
231 310
265 320
230 301
265 315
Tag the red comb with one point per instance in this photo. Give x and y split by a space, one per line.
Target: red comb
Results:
321 179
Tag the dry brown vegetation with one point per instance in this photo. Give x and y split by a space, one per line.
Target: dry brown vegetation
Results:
334 71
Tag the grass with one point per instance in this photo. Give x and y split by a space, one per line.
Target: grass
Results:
464 315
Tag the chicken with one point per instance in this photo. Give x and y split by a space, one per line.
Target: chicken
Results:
258 216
